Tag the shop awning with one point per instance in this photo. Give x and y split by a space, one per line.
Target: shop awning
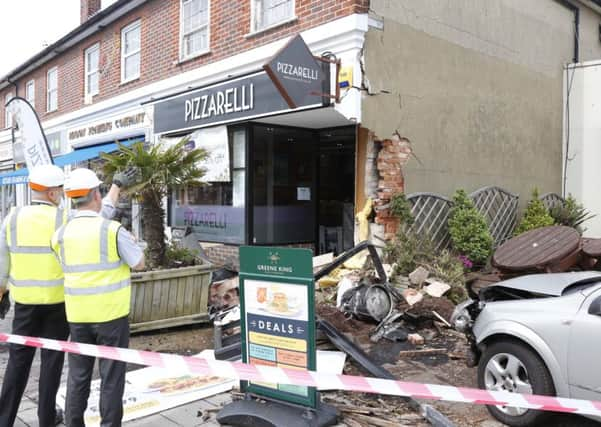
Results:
20 176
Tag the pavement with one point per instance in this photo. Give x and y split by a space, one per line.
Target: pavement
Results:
186 415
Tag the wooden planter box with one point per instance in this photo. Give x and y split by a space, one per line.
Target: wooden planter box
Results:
165 298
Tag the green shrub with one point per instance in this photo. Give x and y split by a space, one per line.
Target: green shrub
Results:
535 216
408 251
469 233
571 214
401 208
178 256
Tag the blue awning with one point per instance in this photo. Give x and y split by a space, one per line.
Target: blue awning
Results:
20 176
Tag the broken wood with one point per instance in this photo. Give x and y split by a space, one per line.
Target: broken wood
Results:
442 319
371 421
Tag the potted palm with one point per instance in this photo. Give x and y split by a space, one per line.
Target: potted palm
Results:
162 296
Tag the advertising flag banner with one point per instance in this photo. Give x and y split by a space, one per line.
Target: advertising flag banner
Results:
35 145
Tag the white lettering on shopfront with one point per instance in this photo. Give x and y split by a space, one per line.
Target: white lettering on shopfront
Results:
297 71
220 103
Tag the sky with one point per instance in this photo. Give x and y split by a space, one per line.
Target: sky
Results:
28 26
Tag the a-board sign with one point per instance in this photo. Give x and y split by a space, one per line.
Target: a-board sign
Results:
278 319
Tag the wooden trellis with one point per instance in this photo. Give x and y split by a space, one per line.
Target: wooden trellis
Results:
431 212
499 208
552 200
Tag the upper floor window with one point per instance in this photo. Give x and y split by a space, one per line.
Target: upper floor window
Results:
52 89
130 52
92 56
30 92
194 33
268 13
8 118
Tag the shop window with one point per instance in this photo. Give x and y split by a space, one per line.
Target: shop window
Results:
269 13
52 90
215 211
30 92
8 118
283 191
92 56
194 31
130 52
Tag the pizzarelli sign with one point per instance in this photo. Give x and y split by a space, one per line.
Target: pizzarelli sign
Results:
293 79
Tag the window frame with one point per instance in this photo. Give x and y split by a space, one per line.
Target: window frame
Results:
8 119
30 83
95 48
254 28
136 25
50 91
182 46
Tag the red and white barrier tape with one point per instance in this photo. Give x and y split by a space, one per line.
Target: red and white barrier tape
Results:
259 373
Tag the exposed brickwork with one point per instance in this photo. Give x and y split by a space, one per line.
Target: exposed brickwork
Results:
88 8
393 154
160 28
228 254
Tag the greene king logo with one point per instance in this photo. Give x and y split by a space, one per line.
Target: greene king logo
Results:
274 257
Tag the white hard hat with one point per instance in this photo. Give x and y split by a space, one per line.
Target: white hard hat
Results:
43 177
80 182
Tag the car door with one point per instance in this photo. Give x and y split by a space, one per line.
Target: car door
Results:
584 350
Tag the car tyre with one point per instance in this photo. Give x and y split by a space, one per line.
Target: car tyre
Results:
532 371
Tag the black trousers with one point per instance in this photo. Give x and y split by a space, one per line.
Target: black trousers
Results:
112 374
47 321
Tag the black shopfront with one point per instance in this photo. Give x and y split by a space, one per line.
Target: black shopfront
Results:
283 177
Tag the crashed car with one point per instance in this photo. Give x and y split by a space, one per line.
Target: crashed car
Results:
536 334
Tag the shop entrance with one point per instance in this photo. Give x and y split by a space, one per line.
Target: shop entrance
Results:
336 190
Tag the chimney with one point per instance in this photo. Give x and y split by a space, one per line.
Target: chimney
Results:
88 8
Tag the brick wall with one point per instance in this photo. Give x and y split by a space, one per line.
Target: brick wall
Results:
393 154
228 254
229 27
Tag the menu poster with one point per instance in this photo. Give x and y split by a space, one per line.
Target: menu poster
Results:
278 319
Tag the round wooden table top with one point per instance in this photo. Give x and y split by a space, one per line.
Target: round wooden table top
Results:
591 247
537 249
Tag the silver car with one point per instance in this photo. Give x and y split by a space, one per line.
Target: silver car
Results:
536 334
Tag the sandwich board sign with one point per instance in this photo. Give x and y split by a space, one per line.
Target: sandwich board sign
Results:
278 317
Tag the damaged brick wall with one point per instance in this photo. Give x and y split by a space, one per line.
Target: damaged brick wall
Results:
393 155
222 254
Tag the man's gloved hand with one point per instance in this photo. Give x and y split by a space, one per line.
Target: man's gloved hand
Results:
4 304
126 178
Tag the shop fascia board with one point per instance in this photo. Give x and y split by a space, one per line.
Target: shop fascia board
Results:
342 35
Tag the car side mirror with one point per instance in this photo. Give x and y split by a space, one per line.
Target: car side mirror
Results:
595 307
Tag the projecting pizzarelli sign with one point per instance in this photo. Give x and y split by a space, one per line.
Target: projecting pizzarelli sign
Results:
293 79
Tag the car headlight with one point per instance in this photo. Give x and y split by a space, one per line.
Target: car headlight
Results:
461 319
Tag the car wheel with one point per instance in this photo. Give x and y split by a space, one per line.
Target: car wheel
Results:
514 367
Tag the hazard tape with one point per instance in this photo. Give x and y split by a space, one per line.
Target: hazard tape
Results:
260 373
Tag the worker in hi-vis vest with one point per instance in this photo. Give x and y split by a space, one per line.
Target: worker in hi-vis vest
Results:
96 255
35 280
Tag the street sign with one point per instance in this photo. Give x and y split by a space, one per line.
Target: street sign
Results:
296 74
278 317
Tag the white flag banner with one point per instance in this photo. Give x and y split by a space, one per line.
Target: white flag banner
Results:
215 142
34 141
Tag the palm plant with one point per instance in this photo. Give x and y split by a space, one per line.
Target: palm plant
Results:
159 170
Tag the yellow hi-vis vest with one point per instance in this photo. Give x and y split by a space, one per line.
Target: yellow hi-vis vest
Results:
97 281
35 276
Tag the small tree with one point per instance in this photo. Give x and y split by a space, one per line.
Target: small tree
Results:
160 169
536 215
401 209
469 233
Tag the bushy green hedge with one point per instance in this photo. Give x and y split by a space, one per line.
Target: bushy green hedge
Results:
535 216
469 233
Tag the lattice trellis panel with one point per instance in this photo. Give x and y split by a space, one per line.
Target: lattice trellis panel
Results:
499 208
552 200
431 212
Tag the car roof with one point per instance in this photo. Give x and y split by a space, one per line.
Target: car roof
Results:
552 284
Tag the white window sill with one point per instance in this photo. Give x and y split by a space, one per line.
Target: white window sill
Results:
271 27
133 79
52 111
191 57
